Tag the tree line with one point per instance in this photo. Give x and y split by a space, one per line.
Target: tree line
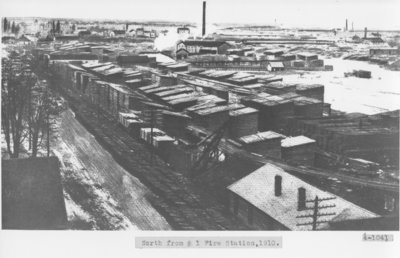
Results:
28 108
10 27
55 27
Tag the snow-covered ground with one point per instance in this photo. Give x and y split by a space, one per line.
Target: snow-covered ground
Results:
351 94
99 193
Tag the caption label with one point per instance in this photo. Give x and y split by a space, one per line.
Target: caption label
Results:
208 242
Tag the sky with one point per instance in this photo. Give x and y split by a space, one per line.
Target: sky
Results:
374 14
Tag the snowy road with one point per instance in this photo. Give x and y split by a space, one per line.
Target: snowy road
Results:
99 193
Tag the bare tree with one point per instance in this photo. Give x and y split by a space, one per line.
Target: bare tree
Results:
15 87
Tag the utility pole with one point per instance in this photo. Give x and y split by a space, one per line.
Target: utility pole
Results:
151 135
316 214
48 131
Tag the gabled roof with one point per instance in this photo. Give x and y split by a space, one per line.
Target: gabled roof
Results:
257 188
181 50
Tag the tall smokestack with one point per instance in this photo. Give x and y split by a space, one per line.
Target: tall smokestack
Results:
347 27
204 19
365 32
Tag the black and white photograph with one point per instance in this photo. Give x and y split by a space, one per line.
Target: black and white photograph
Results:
200 118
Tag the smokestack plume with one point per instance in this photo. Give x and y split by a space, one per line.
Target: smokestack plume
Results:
365 32
278 185
204 19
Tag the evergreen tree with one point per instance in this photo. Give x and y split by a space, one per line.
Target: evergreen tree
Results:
58 27
5 25
17 29
53 27
13 27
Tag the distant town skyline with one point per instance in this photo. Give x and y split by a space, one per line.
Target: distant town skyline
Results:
373 14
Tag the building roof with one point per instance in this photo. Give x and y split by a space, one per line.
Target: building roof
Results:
32 194
133 81
112 71
175 91
276 64
243 111
178 96
204 43
217 109
261 136
300 87
257 188
273 51
94 64
296 141
176 114
178 65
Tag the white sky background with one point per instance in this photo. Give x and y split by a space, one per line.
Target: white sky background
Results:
374 14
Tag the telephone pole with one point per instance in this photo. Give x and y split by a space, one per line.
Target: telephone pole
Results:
315 215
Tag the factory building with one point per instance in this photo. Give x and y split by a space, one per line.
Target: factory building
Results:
198 47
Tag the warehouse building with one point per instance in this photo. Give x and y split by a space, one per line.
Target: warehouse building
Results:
307 56
198 47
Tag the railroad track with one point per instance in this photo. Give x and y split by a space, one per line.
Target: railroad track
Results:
377 184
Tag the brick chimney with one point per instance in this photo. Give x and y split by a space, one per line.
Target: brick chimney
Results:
301 197
365 32
278 185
